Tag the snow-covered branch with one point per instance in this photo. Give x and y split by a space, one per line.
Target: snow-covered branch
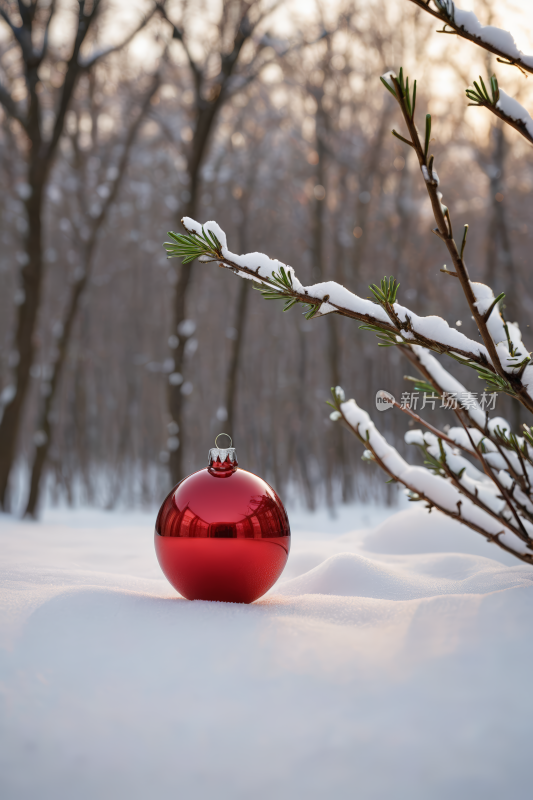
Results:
502 105
497 41
395 323
466 24
513 113
507 355
506 460
453 485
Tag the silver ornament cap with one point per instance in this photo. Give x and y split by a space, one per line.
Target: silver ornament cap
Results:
222 454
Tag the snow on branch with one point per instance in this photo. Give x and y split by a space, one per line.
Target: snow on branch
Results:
393 323
452 485
505 352
502 105
513 111
512 353
446 384
490 440
466 24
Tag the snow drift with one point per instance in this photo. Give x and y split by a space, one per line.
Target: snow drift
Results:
382 664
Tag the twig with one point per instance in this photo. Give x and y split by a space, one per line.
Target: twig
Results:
527 557
444 231
505 58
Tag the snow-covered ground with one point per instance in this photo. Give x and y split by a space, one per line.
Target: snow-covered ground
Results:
388 662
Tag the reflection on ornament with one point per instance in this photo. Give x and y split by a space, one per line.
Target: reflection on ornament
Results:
222 533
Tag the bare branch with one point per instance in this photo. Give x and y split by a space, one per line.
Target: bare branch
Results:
22 36
177 33
44 48
433 430
72 74
130 138
11 107
87 63
251 76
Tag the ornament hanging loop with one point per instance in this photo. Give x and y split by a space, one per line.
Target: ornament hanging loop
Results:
223 459
224 434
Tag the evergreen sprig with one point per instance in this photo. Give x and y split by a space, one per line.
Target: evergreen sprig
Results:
386 293
282 278
279 287
435 465
495 383
388 338
311 310
337 393
479 94
421 386
510 441
493 304
405 92
190 246
514 353
446 7
528 437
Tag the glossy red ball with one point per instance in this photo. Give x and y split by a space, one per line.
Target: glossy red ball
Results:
222 534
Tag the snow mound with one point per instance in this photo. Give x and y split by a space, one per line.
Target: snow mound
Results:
374 668
352 575
416 531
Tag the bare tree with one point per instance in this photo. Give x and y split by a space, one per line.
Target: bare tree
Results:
111 433
239 19
88 245
29 26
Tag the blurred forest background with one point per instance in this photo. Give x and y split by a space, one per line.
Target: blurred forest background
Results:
117 366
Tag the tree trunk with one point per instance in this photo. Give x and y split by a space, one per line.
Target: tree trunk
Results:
175 397
499 252
206 118
366 182
303 452
31 275
40 160
335 455
235 356
43 435
403 209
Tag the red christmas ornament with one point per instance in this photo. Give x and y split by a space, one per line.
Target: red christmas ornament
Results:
222 533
